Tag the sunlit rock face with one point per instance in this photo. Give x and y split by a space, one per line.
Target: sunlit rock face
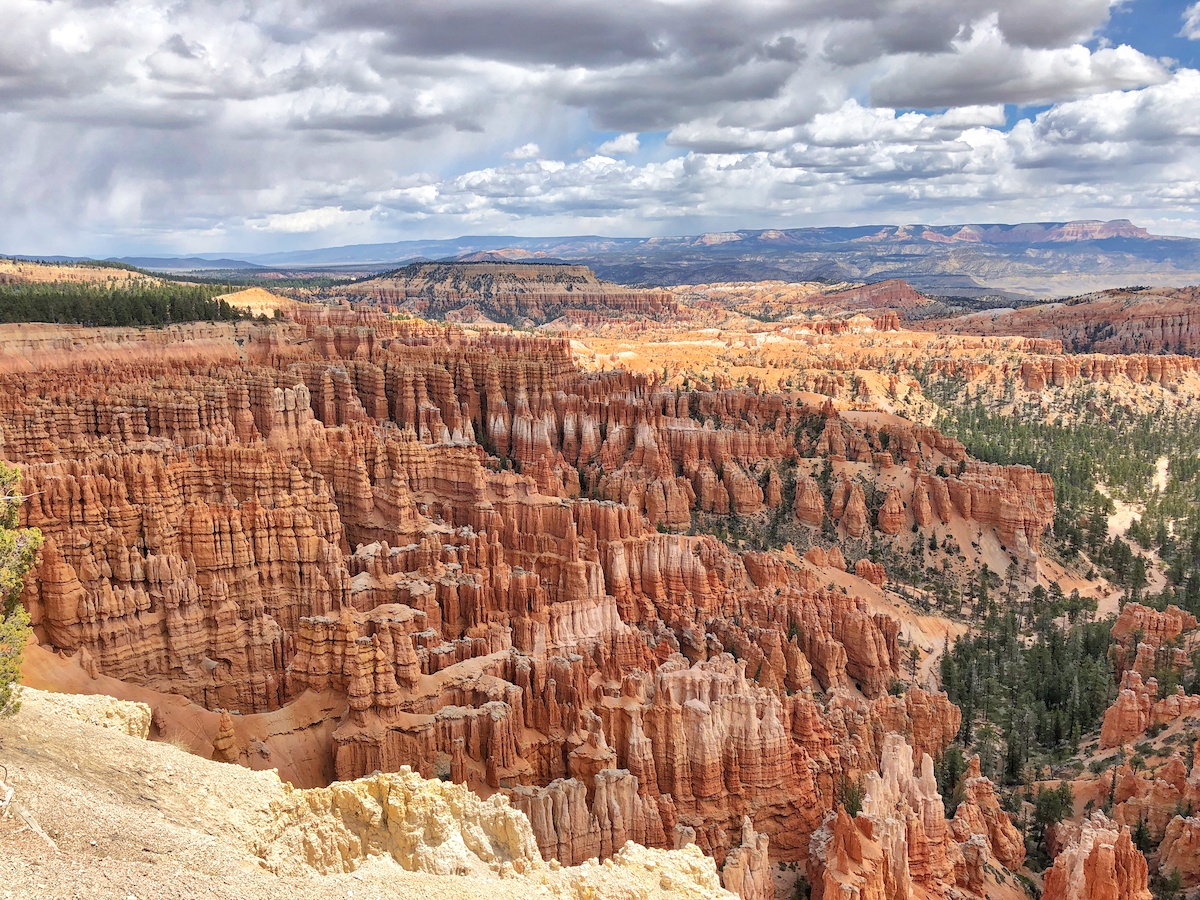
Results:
468 543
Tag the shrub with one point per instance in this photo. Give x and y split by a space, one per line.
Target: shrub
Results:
17 549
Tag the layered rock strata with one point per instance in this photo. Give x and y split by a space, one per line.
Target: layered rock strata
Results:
462 538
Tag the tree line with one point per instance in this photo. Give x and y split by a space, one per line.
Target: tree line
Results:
131 303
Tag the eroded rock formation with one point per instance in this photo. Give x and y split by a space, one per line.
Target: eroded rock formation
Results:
508 292
1154 320
1100 863
900 845
465 541
1137 707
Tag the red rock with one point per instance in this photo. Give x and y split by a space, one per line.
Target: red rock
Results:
809 506
891 514
452 539
1150 321
1136 709
849 507
747 867
506 291
922 509
900 845
980 813
869 571
224 744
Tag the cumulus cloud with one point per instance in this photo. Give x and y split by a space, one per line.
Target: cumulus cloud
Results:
245 124
525 151
308 221
621 145
988 69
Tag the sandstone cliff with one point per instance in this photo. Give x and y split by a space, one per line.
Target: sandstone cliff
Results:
1152 320
506 292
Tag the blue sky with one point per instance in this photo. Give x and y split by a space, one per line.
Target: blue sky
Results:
234 125
1154 28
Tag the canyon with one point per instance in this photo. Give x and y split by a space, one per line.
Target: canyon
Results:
343 541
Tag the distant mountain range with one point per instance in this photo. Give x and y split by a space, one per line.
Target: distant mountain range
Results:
1038 259
184 263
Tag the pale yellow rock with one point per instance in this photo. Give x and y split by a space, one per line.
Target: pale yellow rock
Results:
393 835
425 826
126 716
642 873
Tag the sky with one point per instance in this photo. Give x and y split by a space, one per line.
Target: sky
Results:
135 128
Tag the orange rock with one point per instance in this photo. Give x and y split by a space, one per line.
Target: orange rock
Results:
891 514
1180 850
747 867
872 572
1136 709
849 507
922 510
900 845
809 507
453 539
980 813
224 744
1100 863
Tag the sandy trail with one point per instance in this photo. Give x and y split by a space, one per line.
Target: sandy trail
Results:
1118 527
1160 474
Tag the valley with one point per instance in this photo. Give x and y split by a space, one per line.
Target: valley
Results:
861 603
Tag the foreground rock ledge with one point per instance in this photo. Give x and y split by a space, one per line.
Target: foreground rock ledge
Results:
135 818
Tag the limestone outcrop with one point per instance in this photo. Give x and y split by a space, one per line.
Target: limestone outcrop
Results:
1137 707
1136 321
511 292
424 826
1180 850
125 716
390 834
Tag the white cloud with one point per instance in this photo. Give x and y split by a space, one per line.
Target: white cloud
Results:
1191 23
621 145
986 69
525 151
367 120
308 221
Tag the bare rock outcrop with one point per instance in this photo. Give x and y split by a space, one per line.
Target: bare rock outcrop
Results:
126 716
424 826
472 551
900 845
1180 850
747 867
1100 862
1137 707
